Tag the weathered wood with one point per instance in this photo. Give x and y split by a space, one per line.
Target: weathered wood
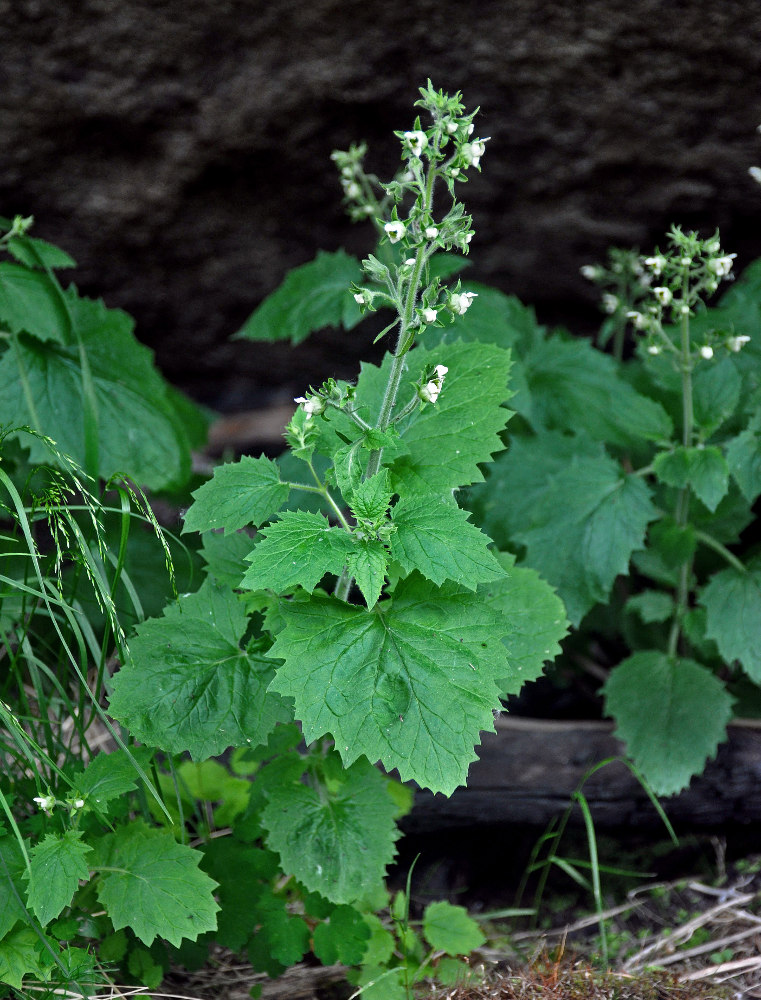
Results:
528 770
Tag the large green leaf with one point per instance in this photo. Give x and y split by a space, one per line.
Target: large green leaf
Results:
715 394
311 297
12 869
111 775
31 303
744 459
705 470
671 713
22 953
190 686
57 865
732 600
336 836
434 537
245 874
242 493
410 683
343 937
153 885
298 549
138 432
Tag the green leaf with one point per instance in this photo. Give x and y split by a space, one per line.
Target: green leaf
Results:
744 460
671 713
715 394
396 683
153 885
31 303
449 928
311 297
110 776
36 253
337 836
57 865
380 946
447 442
371 498
12 870
534 618
297 550
581 515
22 953
242 493
138 431
245 874
732 600
573 385
343 937
189 686
434 537
705 470
367 563
284 937
225 556
652 606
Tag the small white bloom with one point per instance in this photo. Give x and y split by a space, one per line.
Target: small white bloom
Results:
353 190
473 151
45 802
685 261
609 303
362 298
737 343
78 803
455 171
417 141
430 315
713 246
639 322
653 349
461 301
755 173
470 128
409 262
684 309
663 295
429 393
312 405
655 264
589 271
451 127
722 265
395 230
431 232
706 352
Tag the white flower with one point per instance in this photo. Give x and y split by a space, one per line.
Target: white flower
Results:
312 405
460 302
395 230
429 393
639 322
609 303
409 262
653 349
429 315
684 309
352 190
362 299
417 141
431 232
451 127
45 802
470 128
722 265
589 271
655 264
685 261
737 343
663 295
706 352
755 173
77 804
713 246
473 151
454 171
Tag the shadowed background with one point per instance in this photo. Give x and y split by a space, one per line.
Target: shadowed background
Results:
179 149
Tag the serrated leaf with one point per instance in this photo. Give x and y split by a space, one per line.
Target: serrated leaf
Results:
22 953
396 683
297 550
534 621
715 394
367 563
671 713
242 493
732 600
57 865
744 460
189 686
582 516
153 885
225 555
705 470
337 838
343 937
110 775
434 537
371 498
285 937
12 870
138 431
573 385
311 297
31 303
37 253
245 874
449 928
652 605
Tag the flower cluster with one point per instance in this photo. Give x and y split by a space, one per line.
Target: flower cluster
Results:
48 803
431 384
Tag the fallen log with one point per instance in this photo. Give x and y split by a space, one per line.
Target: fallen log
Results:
527 772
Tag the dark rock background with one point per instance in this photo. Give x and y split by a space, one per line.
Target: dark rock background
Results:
179 149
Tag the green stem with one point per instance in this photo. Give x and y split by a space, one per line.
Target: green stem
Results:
724 552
